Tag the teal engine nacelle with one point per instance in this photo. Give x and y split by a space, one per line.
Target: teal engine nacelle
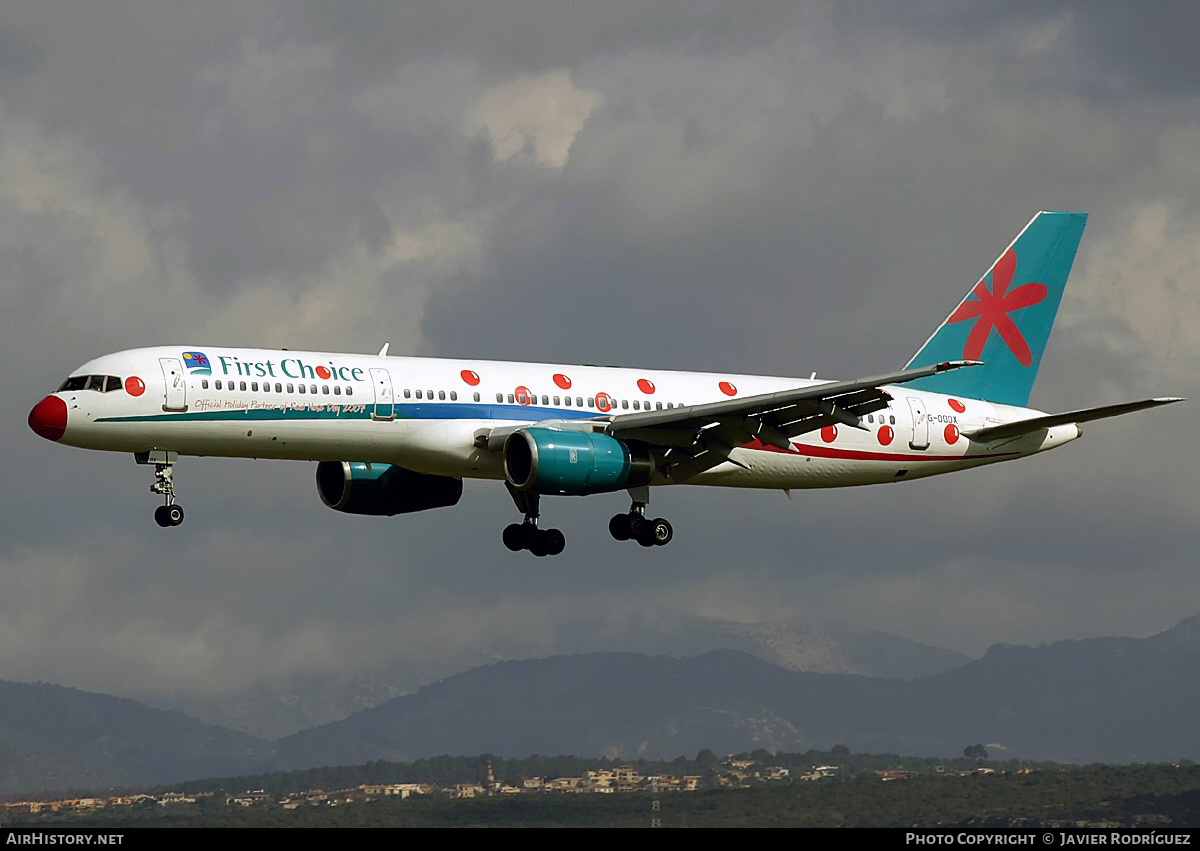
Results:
382 489
573 463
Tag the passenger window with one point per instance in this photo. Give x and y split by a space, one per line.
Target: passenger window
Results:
893 419
441 395
217 384
337 390
312 389
476 396
349 391
591 401
568 401
419 396
658 406
203 383
545 400
499 397
302 390
557 400
325 390
453 395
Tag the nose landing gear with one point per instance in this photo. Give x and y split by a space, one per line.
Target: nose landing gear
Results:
170 513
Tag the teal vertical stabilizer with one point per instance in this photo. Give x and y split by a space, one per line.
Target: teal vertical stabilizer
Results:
1005 319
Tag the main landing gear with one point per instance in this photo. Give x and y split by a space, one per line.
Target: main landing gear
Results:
635 527
527 535
170 513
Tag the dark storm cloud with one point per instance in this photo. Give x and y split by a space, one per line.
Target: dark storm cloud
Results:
531 36
1109 49
775 188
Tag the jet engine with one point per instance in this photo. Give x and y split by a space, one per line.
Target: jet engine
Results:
574 463
383 489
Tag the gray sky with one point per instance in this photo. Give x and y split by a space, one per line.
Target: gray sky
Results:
775 188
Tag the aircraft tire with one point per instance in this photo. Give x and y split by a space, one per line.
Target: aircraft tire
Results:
160 516
637 524
174 514
646 539
661 531
555 542
539 545
514 537
618 527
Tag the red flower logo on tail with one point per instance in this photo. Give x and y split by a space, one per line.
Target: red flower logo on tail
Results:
993 308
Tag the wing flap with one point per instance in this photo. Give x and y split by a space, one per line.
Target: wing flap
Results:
832 401
696 438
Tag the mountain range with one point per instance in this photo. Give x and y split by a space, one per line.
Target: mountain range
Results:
1092 700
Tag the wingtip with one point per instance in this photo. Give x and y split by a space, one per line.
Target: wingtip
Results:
945 366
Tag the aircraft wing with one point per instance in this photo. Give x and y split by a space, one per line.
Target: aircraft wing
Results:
1022 427
695 438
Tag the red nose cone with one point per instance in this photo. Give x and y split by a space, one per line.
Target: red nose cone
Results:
49 418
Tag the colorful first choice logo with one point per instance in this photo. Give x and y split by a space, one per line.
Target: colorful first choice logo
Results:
197 363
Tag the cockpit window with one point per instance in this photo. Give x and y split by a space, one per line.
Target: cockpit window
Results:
99 383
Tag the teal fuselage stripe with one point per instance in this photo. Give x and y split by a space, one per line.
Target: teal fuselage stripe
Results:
301 411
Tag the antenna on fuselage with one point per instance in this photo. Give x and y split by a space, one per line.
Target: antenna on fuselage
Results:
383 351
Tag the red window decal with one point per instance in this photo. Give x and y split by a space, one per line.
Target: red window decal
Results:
562 381
470 376
727 388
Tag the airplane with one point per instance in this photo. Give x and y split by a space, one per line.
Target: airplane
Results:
393 435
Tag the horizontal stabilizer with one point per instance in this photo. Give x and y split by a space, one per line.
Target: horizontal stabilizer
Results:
1021 427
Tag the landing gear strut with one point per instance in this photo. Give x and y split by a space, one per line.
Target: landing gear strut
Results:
170 513
527 535
635 527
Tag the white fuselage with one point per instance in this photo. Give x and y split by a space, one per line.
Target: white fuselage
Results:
424 414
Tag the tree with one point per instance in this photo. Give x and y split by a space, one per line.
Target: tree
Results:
975 752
